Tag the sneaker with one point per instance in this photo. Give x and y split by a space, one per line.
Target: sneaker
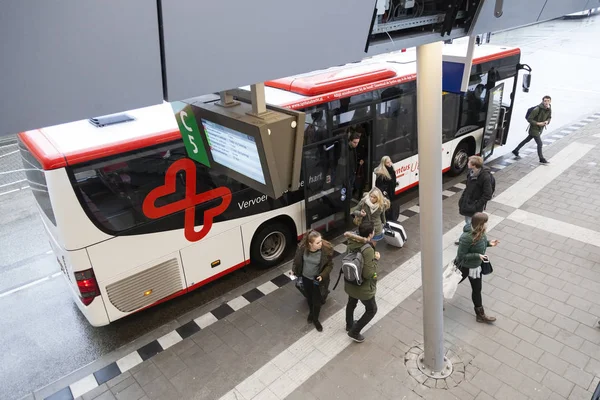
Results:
357 337
348 327
544 161
516 153
318 326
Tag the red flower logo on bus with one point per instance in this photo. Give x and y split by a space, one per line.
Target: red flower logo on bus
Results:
189 203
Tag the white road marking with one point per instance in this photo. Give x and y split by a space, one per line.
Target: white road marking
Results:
536 180
83 386
237 303
561 228
30 284
205 320
129 361
8 154
169 339
12 183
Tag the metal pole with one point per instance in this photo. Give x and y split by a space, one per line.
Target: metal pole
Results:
429 117
468 64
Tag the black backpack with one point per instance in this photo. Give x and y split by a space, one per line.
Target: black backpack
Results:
528 112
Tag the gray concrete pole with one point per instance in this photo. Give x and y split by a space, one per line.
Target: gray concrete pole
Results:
429 119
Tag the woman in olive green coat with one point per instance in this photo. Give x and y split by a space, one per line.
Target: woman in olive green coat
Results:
471 253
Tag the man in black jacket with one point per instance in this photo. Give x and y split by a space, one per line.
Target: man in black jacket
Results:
478 191
353 140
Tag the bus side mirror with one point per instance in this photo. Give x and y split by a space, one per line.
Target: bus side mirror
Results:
526 82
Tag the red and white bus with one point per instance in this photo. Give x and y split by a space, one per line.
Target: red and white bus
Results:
90 181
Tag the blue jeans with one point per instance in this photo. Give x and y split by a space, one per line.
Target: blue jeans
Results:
468 220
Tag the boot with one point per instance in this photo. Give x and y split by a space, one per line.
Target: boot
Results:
481 317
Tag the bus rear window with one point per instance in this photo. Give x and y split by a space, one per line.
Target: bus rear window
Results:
112 191
37 181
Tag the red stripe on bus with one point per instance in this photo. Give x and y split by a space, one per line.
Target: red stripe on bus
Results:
326 98
42 149
412 185
196 286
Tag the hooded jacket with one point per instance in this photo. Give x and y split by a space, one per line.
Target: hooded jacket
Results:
467 255
368 288
538 114
477 193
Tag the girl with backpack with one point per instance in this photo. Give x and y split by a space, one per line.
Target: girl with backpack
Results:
469 257
313 263
372 207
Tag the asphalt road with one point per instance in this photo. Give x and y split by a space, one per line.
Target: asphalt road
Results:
44 337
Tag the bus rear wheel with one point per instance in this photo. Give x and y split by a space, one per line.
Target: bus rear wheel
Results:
269 245
459 159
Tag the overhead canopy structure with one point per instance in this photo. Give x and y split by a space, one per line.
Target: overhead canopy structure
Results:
69 60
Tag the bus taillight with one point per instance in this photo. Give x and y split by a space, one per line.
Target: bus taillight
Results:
88 286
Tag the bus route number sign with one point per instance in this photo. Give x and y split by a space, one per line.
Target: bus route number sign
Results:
190 133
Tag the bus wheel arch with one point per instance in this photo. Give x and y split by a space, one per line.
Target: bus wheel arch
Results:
272 240
460 158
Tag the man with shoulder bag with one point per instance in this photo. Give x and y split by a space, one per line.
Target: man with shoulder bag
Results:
479 190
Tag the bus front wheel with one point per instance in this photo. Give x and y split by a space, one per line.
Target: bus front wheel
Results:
269 245
459 159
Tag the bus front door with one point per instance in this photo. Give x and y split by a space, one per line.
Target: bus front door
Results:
494 121
325 184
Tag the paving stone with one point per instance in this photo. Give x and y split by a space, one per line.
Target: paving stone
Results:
565 323
574 357
570 339
557 384
534 390
532 369
579 393
578 376
550 345
486 382
508 392
553 363
527 334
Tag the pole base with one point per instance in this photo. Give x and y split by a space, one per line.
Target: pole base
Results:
430 373
451 375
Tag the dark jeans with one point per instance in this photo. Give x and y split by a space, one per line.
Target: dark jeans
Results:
313 297
371 310
475 287
538 140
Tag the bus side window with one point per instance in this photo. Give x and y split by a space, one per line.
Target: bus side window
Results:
450 115
395 135
315 126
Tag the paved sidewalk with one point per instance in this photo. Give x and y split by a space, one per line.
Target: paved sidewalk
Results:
545 292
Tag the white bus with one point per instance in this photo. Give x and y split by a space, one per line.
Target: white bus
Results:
90 181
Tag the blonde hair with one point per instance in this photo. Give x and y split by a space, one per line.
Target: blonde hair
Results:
382 169
477 161
478 222
381 199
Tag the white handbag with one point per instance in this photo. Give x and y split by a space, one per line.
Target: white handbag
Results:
452 277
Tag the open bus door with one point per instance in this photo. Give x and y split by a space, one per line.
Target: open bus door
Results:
494 121
326 193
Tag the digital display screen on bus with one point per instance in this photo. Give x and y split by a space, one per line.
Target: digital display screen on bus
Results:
234 150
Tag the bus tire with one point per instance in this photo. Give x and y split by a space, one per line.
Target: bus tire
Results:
460 158
270 244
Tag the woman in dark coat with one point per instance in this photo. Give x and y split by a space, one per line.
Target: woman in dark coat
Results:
313 264
385 180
